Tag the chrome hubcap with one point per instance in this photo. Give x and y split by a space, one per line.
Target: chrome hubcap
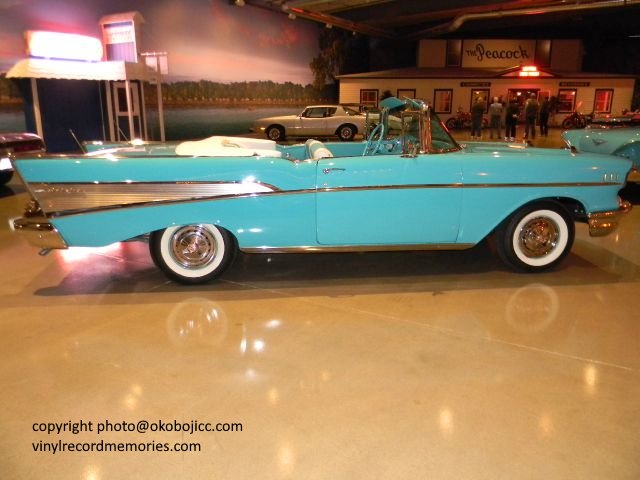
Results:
193 246
538 237
274 134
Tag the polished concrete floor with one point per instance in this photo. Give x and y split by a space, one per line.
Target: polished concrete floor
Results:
431 365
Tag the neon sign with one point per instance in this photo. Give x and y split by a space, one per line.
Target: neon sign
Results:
529 71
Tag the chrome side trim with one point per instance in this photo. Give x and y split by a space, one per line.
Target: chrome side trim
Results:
358 248
39 232
603 223
57 199
74 197
467 185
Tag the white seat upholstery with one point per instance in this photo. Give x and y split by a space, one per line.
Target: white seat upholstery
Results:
317 150
218 146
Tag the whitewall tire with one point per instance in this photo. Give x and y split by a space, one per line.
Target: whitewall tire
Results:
192 254
536 237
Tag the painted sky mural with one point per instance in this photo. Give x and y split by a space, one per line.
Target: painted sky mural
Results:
205 39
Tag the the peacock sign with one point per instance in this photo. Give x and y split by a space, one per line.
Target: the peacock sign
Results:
497 53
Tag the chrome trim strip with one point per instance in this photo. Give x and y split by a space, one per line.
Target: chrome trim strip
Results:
39 232
467 185
358 248
58 199
603 223
75 197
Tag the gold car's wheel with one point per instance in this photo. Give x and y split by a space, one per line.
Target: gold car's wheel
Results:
536 237
275 133
192 253
346 132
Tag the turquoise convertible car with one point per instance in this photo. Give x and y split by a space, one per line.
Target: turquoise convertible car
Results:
197 203
622 141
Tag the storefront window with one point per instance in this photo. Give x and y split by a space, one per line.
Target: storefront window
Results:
603 101
480 94
566 100
369 98
442 100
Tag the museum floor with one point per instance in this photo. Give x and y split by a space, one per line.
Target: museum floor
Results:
429 365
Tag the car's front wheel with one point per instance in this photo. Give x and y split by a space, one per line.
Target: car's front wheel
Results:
536 237
275 133
192 254
346 132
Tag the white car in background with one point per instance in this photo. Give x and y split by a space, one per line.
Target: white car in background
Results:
16 143
314 121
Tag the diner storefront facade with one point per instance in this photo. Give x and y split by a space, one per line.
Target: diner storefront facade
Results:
451 75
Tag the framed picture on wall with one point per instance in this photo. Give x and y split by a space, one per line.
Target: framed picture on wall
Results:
442 100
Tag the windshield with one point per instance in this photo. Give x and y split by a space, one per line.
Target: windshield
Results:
441 140
413 122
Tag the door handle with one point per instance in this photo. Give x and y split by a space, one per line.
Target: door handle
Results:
327 170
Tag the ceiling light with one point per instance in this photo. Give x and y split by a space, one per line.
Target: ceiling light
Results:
239 3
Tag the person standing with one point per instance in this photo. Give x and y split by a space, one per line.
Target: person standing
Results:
545 108
531 110
511 115
477 111
495 118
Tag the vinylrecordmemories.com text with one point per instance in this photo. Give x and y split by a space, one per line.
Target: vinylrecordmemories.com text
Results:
141 427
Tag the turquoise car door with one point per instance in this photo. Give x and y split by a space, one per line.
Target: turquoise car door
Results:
389 199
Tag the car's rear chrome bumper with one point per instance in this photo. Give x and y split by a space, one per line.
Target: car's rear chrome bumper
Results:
39 232
603 223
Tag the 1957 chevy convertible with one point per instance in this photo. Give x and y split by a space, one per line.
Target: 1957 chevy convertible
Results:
197 203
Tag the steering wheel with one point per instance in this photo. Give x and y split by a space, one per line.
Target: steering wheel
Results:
379 130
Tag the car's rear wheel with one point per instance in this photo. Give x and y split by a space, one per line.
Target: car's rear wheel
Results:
536 237
275 133
346 132
192 254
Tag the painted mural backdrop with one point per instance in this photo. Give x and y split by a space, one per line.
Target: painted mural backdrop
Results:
218 53
206 39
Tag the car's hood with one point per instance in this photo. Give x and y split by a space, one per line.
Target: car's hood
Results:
498 161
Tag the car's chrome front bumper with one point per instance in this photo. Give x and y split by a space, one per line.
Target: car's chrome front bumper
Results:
603 223
39 232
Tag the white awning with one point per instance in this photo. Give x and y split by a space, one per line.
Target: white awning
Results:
75 70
